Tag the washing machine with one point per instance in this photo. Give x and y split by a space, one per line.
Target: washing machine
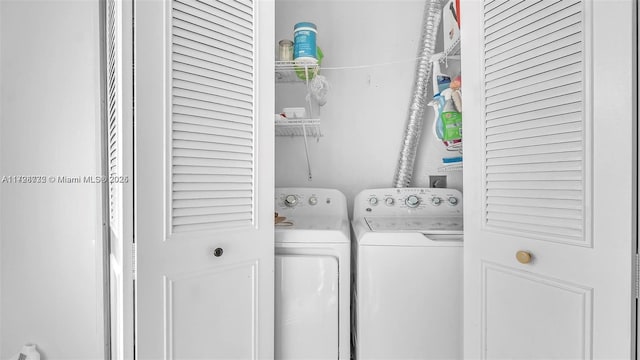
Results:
312 274
407 295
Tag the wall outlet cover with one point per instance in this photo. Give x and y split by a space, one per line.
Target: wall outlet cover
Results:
437 181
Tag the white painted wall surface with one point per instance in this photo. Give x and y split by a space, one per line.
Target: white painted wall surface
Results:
50 246
364 119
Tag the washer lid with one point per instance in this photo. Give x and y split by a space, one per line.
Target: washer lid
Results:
425 225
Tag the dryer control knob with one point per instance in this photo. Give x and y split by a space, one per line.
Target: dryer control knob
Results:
389 201
313 200
436 201
373 201
412 201
291 200
453 201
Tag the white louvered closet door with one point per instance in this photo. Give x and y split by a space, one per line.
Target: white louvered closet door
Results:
549 142
119 148
204 179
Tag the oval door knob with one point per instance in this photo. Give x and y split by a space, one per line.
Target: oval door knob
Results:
523 257
218 252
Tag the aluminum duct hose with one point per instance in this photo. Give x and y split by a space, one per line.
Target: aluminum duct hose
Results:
430 23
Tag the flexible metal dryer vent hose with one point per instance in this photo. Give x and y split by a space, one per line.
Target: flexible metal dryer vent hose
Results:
430 23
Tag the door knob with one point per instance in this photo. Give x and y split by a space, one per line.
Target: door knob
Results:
218 252
523 257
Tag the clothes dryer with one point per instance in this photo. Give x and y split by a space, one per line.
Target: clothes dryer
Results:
312 274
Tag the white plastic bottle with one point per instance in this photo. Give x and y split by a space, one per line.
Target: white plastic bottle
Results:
28 352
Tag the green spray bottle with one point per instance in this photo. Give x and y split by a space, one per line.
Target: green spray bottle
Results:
451 120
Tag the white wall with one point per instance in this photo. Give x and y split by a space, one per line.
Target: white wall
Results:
50 250
365 116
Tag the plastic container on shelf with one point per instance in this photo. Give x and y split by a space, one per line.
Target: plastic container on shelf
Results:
304 43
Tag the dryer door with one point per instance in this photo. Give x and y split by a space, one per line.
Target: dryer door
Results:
306 306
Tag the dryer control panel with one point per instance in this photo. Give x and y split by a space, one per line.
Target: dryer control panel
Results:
408 201
310 202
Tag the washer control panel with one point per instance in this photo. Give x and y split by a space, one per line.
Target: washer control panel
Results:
309 202
413 201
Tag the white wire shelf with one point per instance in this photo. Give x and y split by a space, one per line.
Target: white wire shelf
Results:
298 127
452 53
291 71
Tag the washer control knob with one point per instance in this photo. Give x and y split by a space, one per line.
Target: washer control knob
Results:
373 201
453 201
291 200
412 201
389 201
313 200
436 201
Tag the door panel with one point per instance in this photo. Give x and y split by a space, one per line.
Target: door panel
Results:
549 171
204 179
552 317
200 304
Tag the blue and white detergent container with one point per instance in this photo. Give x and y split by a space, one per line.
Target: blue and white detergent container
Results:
304 42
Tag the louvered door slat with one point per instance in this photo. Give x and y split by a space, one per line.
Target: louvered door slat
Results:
570 130
210 58
526 74
113 118
186 108
533 159
207 221
189 46
211 146
196 203
180 85
230 9
558 119
177 169
205 179
552 213
534 120
211 138
535 168
205 11
246 186
516 64
192 34
536 229
220 106
528 15
535 203
194 76
542 46
493 6
509 14
538 148
518 91
211 162
214 66
535 176
534 27
207 24
530 96
212 195
238 46
212 125
196 67
211 211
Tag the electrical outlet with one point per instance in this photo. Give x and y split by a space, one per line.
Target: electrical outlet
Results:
437 181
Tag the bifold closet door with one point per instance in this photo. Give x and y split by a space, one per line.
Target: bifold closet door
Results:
119 161
549 173
204 179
